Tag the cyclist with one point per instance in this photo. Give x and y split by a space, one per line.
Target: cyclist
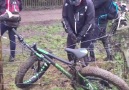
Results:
7 26
78 22
102 15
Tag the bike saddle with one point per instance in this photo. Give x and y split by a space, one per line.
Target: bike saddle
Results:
79 53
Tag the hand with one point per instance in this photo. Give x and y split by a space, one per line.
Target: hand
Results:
9 13
73 37
78 39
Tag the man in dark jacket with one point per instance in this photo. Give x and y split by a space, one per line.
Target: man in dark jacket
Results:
78 21
101 19
7 26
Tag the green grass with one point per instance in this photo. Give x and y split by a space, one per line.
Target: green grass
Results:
48 37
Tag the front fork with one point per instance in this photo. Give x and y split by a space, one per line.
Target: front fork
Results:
79 82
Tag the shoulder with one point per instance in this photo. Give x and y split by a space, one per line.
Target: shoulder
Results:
89 3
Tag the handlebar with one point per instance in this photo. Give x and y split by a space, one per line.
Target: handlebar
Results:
21 39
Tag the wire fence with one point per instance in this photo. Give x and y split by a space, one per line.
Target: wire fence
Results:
43 36
41 4
49 36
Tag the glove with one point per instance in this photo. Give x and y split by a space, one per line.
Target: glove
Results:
73 36
78 39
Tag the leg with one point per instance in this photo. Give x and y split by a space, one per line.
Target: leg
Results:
92 54
3 29
87 43
12 43
70 44
107 48
93 35
106 44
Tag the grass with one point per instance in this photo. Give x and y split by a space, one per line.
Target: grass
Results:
51 38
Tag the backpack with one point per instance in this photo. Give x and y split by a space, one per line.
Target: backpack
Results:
112 10
13 7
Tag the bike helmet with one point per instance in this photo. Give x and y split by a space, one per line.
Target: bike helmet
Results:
75 2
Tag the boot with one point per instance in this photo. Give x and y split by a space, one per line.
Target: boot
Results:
11 59
109 58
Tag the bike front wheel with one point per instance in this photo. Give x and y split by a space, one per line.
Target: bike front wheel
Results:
30 71
102 79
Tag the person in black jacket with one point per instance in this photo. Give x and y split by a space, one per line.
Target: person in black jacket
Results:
102 16
78 21
7 26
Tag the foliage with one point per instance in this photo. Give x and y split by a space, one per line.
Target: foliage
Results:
51 38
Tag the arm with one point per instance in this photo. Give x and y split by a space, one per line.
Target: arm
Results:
65 21
90 19
8 16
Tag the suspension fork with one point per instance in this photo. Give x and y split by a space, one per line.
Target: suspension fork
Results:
88 85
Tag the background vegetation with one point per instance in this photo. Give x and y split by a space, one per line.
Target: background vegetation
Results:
50 37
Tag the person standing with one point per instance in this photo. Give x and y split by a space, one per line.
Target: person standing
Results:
8 25
78 21
105 10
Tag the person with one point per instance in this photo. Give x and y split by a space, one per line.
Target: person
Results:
78 21
102 16
7 25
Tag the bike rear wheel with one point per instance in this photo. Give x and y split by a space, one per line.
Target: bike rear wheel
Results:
33 66
103 77
118 41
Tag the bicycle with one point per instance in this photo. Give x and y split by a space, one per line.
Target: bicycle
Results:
118 37
120 21
82 77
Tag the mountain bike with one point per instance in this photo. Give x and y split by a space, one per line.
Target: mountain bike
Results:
118 39
82 77
120 21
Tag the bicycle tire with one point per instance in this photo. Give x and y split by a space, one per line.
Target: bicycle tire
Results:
105 75
114 27
23 70
114 40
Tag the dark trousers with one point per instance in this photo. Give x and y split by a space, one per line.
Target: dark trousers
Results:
11 34
101 35
85 43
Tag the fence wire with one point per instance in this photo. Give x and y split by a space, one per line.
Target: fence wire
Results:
51 37
42 4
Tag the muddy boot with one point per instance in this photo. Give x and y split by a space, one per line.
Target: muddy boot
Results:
109 58
11 59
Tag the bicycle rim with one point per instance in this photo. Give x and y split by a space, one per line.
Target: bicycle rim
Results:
30 72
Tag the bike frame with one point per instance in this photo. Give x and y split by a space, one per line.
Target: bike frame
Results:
47 58
121 17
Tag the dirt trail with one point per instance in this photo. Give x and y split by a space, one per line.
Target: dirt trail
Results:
39 16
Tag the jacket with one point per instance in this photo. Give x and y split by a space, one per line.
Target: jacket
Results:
102 11
78 19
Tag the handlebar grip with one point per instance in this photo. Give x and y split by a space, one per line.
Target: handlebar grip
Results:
19 37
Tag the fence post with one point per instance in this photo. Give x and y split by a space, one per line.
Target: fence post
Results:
1 66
